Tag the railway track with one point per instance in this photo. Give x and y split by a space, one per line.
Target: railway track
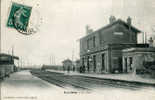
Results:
101 82
84 82
59 81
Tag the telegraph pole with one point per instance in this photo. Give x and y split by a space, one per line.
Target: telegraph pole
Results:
145 38
13 50
72 59
50 59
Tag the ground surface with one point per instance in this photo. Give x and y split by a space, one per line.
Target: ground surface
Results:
25 86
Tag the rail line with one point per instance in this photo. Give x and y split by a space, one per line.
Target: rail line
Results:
83 82
59 81
115 84
100 82
113 81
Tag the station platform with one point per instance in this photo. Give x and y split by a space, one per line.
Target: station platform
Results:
119 77
24 86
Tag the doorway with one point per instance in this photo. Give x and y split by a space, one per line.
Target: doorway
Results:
125 64
88 64
103 62
94 62
120 64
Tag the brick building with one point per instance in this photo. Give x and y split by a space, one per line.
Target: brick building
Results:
101 50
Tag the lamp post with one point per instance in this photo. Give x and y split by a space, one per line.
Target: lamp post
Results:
0 47
89 60
0 29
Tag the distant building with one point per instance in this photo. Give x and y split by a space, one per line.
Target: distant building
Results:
67 64
101 50
77 63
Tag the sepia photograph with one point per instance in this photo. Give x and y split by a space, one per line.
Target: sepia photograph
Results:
77 50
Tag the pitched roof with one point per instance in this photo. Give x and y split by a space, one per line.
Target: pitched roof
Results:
67 60
121 22
116 22
7 55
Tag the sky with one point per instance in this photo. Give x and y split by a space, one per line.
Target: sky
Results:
61 23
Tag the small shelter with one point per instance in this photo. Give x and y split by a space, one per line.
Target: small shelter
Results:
7 62
67 65
134 59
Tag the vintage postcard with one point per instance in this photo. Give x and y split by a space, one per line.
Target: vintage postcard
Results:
77 50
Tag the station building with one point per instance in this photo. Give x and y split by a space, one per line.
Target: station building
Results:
101 50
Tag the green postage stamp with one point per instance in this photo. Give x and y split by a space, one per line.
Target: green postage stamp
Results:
19 17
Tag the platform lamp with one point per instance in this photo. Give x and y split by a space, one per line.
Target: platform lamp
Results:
0 46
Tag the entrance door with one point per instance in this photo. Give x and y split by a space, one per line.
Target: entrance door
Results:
82 61
125 65
120 64
88 64
130 69
103 62
94 62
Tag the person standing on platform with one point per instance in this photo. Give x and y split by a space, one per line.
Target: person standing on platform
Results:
68 69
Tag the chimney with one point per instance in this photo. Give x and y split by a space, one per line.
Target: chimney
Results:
88 30
129 20
112 19
150 42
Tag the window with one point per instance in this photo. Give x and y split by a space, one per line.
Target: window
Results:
94 44
87 43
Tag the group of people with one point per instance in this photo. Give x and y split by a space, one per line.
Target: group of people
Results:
82 69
